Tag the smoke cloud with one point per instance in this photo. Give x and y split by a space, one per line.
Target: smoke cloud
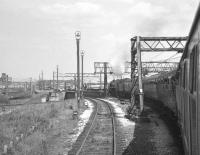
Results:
119 57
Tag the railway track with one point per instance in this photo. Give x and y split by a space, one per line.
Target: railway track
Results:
99 135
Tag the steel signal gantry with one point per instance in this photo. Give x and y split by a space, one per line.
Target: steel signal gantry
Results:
103 67
149 44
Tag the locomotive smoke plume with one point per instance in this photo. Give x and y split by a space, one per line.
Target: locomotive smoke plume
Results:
118 62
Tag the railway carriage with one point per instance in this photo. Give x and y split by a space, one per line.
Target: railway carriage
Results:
180 90
161 87
188 90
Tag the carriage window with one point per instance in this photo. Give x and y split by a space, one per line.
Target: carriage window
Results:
180 78
193 69
184 75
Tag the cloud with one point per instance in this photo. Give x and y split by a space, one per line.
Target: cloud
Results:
149 19
75 8
147 10
81 15
109 37
43 31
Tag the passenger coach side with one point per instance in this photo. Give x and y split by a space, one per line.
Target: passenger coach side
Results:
188 91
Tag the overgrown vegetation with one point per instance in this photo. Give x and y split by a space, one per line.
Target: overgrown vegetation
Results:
26 127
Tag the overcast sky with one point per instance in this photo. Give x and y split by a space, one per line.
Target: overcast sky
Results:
37 35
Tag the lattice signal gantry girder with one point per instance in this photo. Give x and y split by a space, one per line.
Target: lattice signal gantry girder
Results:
159 44
75 75
103 67
100 66
153 67
151 44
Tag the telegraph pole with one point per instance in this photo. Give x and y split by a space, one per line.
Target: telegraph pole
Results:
140 74
100 79
57 79
78 37
25 86
31 86
6 86
39 84
53 81
105 78
42 81
75 83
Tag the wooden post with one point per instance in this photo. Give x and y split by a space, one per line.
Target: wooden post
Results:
31 91
57 80
53 81
42 81
100 79
105 79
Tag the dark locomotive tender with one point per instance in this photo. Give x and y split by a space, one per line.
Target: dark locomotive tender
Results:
120 88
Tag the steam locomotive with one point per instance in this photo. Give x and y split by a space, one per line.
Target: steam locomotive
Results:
120 88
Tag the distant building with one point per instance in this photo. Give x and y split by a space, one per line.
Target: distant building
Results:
4 77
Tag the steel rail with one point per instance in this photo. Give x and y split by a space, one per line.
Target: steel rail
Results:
92 124
88 132
113 125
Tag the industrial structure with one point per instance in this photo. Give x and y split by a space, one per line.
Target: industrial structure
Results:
150 44
105 68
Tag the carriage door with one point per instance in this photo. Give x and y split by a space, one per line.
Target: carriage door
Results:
193 100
